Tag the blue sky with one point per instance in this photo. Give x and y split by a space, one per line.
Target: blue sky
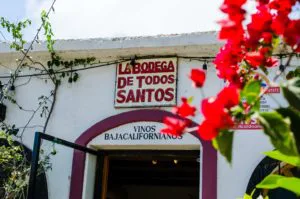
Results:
13 9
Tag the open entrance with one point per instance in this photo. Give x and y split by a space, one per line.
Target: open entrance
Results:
148 174
84 185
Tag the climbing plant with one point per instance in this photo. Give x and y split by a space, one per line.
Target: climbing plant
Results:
13 158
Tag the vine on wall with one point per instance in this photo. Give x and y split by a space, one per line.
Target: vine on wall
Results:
13 160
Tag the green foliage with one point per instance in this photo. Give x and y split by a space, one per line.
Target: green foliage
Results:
283 128
292 160
293 73
17 168
9 152
16 31
47 31
278 130
12 157
251 93
246 196
58 69
291 91
277 181
294 116
223 143
12 163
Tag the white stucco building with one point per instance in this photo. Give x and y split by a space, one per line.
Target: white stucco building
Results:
135 157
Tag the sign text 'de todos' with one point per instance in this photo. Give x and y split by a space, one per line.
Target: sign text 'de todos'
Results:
150 82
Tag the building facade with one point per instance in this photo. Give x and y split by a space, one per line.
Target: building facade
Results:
118 110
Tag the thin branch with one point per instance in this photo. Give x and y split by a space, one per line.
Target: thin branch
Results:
285 66
23 84
42 65
34 39
32 116
3 36
54 93
31 127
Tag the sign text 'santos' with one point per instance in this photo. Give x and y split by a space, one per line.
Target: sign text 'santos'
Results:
150 82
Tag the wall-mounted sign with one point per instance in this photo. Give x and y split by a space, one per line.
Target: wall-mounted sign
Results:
149 82
267 104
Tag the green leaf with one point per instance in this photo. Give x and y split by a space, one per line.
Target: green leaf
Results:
75 77
290 75
291 91
277 128
277 181
223 143
246 196
294 117
276 41
293 160
190 100
251 92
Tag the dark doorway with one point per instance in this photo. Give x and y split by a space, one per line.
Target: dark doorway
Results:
151 175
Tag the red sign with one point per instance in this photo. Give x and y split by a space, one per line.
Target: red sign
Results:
265 106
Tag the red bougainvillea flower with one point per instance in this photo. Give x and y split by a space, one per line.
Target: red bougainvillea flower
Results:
174 126
229 96
198 77
271 62
237 3
207 131
261 21
211 108
260 58
263 2
255 59
279 24
292 34
235 13
210 127
283 7
267 37
185 109
230 29
214 110
246 107
227 61
259 28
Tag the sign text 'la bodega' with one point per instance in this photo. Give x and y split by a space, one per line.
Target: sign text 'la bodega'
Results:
149 82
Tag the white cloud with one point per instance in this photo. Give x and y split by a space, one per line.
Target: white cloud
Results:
111 18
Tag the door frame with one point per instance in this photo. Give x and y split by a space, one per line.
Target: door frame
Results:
208 164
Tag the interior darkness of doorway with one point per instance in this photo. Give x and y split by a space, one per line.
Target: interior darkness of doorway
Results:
151 174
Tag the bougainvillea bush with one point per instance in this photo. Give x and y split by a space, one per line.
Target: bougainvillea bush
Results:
243 62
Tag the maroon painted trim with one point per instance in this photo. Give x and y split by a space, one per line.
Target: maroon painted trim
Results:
209 155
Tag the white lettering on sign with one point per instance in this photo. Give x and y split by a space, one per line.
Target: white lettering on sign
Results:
149 82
